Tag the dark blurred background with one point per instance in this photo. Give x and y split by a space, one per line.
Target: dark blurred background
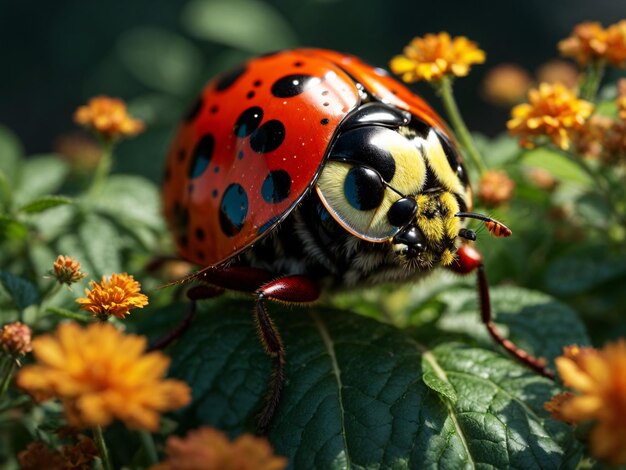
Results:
156 54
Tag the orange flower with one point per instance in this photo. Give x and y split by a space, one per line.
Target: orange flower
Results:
506 84
101 374
67 270
598 378
587 42
209 449
115 296
591 42
15 338
435 55
542 179
72 457
108 117
553 111
495 188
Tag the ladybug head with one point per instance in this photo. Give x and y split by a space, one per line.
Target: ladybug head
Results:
400 184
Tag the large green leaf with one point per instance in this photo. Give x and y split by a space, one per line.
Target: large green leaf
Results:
577 273
40 176
356 395
250 25
22 291
535 321
100 241
557 164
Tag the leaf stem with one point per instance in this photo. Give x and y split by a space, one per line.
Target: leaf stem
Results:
103 169
102 448
593 78
147 442
444 90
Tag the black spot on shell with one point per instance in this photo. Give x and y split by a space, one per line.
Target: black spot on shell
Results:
214 109
257 83
227 79
298 64
193 111
214 193
292 85
181 155
199 234
233 210
240 155
268 137
248 121
276 186
250 95
200 255
201 156
324 121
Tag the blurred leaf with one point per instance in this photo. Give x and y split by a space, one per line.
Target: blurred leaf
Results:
23 292
56 221
250 25
131 198
534 321
594 210
11 228
499 151
156 109
160 59
10 152
44 203
356 398
65 313
100 241
579 273
40 176
557 164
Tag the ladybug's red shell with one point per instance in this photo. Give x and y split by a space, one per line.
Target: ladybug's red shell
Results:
255 141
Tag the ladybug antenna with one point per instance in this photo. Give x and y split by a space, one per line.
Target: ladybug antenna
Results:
495 227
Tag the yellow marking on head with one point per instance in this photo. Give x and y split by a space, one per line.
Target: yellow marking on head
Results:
452 223
410 174
438 163
447 258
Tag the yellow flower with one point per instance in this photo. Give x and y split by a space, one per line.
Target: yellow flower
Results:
506 84
15 338
586 43
435 55
101 374
115 295
67 270
108 117
209 449
495 188
553 111
598 378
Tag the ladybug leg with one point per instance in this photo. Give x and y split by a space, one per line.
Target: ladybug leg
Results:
538 364
194 294
289 289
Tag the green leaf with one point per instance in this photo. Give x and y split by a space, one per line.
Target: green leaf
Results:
101 243
11 228
65 313
580 273
557 164
356 396
23 292
40 176
534 321
10 153
160 59
44 203
250 25
131 198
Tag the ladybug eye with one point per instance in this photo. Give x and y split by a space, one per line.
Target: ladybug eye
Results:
364 188
402 212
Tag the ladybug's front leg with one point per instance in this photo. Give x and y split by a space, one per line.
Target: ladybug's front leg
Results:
289 289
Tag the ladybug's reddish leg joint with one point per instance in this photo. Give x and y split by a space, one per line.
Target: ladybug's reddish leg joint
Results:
537 364
194 294
291 289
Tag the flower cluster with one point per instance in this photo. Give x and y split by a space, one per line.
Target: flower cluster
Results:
210 449
553 111
108 117
77 456
598 378
66 270
101 374
495 188
115 295
15 338
435 56
591 42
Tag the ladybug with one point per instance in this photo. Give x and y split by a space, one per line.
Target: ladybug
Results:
308 170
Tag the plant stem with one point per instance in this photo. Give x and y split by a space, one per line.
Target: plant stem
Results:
102 448
593 78
444 89
8 374
148 444
103 169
